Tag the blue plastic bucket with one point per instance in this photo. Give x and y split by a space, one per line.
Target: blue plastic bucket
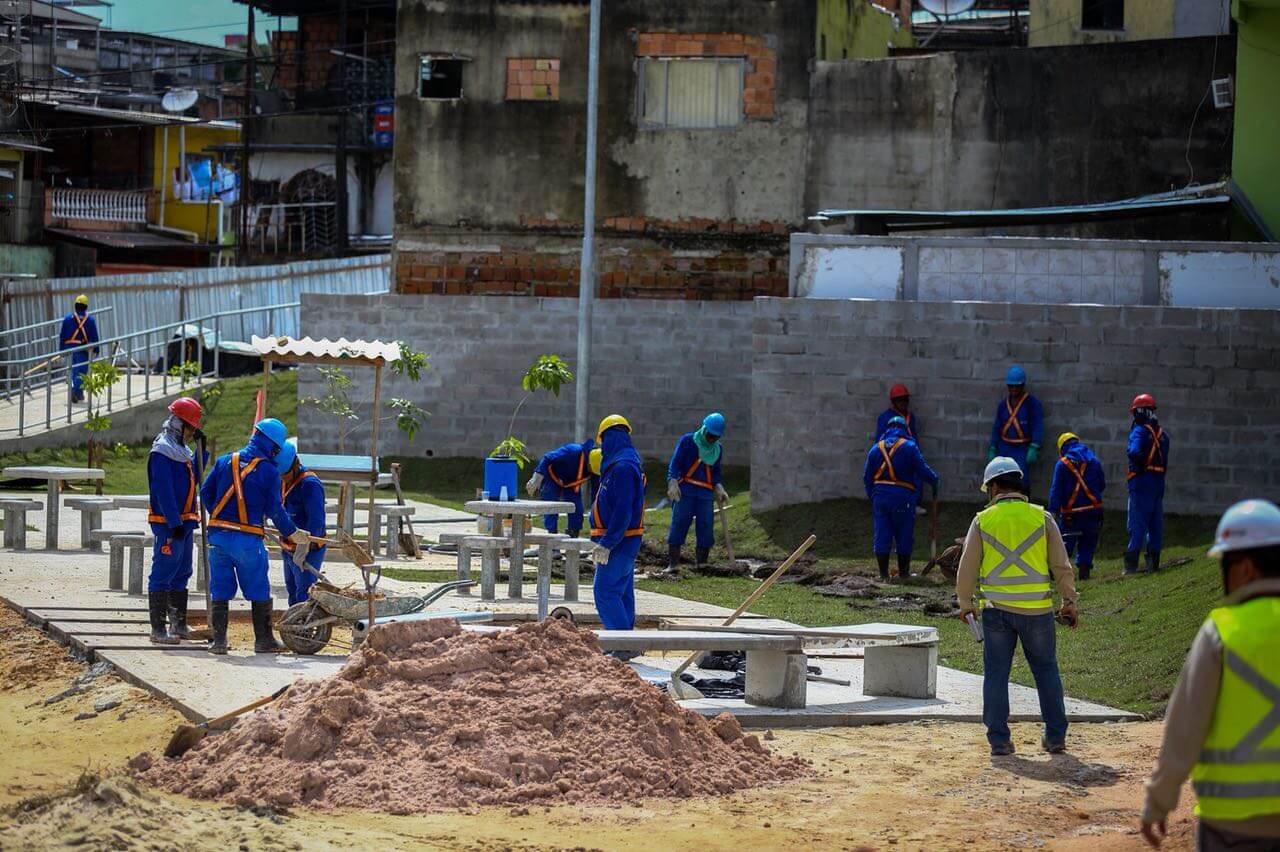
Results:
500 473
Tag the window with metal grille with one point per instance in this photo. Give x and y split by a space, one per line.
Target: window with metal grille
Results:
1101 14
691 93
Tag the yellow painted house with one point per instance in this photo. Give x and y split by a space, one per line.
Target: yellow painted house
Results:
858 29
179 144
1059 22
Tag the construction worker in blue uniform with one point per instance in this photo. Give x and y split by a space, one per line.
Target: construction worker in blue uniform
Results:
617 524
79 329
1075 499
1148 452
559 476
899 406
242 491
694 484
172 479
302 494
1018 429
894 473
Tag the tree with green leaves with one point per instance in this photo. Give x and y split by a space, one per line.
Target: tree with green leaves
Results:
101 376
337 403
547 373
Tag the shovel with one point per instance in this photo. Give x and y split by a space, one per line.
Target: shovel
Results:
933 527
205 634
684 691
408 538
187 736
724 528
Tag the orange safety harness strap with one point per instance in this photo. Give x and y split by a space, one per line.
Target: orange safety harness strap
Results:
1013 421
598 526
189 512
886 467
1078 472
79 335
1154 453
701 483
236 488
576 484
285 491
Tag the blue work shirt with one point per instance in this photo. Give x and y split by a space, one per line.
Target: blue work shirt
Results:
1021 431
618 510
172 490
261 492
303 498
697 478
907 468
567 466
913 423
1148 452
1067 495
77 330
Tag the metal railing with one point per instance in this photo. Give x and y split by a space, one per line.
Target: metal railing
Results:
99 205
34 342
297 228
145 358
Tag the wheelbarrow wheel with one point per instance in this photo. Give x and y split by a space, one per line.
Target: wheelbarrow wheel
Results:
298 632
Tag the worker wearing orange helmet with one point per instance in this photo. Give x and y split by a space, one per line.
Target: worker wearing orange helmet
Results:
173 482
1148 452
899 406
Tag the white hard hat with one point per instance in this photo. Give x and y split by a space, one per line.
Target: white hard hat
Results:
997 467
1247 524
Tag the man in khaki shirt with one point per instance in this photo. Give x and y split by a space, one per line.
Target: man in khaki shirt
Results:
1021 619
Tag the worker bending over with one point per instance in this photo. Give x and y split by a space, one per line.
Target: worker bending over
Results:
899 406
1148 452
694 484
1222 725
243 490
894 473
1075 499
1018 429
559 477
302 494
172 480
1010 552
617 524
79 330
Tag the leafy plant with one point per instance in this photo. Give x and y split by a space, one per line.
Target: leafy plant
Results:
547 373
337 403
187 371
97 381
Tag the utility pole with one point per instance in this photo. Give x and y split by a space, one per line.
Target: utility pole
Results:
246 123
340 166
587 273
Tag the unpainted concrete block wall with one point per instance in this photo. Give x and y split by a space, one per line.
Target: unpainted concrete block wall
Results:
822 369
663 364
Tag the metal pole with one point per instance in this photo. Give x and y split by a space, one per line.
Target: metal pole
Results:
246 123
587 274
340 164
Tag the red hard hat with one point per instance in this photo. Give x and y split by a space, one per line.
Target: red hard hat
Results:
898 390
1142 400
187 410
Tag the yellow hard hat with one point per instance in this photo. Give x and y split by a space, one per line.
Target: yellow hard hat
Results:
609 422
1066 436
594 460
82 299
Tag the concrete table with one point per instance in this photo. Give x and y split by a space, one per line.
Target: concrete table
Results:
518 510
348 470
54 476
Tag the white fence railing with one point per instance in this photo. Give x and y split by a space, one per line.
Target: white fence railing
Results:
99 205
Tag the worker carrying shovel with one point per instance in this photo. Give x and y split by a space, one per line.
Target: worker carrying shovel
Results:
171 484
302 494
694 484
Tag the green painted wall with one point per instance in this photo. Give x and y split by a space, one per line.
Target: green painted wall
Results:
1255 165
855 29
37 260
1057 22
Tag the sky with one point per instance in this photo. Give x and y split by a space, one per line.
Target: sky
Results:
194 20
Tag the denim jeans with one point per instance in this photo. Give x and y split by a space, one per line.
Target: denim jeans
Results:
1001 631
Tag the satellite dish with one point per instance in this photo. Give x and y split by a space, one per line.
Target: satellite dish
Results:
181 100
946 8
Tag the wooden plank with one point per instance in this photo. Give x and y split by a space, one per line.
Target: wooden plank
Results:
843 636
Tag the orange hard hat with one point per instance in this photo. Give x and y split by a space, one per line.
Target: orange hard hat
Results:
187 410
1142 400
898 391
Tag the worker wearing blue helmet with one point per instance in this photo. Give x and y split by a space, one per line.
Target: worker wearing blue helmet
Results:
694 484
243 490
894 475
302 494
1018 429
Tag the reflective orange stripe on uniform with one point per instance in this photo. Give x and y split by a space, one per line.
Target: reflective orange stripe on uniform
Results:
1078 473
577 482
285 491
1153 454
598 526
237 489
701 483
79 335
189 512
887 466
1013 421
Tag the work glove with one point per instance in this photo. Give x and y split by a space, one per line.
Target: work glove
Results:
673 490
991 452
1033 453
722 496
300 537
599 555
178 533
535 482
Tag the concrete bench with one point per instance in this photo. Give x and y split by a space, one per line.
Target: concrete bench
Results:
90 509
132 503
464 555
573 549
392 514
547 544
15 521
135 545
490 547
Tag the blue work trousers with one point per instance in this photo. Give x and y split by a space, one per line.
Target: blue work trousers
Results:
238 559
170 560
1017 452
1080 532
893 522
614 586
1146 520
79 369
699 511
298 581
551 491
1001 631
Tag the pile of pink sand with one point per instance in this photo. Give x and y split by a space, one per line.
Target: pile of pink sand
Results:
425 716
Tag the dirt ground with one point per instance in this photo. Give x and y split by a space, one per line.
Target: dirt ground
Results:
913 786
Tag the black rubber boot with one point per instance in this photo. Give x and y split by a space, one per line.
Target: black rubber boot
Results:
158 604
1085 570
1153 561
904 565
178 614
703 555
219 615
575 533
673 558
263 641
882 560
1130 562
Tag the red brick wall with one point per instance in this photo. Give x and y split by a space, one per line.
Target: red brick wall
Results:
759 85
533 79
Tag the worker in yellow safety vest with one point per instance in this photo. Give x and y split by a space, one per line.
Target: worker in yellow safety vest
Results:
1222 726
1014 555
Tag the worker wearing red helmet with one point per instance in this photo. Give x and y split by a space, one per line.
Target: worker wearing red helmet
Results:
899 406
1148 452
173 482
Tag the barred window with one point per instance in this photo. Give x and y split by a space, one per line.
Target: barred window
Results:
691 93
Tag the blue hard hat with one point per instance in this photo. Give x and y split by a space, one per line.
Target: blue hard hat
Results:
714 424
897 421
288 452
1015 376
273 430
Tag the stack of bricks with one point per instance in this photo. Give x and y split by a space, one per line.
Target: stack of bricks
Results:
533 79
319 34
760 83
284 46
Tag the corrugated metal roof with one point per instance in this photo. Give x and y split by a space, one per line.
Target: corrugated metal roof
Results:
366 351
129 239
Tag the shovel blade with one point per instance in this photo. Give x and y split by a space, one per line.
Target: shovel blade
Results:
683 691
184 739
